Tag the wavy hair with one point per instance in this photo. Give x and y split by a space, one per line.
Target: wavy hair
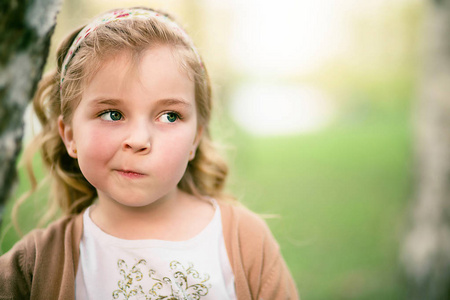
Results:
70 191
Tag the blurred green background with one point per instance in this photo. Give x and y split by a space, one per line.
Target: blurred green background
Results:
315 104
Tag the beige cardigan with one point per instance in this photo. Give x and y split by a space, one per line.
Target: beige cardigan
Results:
43 264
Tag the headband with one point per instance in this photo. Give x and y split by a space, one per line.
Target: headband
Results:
117 15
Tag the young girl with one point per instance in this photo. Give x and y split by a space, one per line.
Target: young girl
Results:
125 136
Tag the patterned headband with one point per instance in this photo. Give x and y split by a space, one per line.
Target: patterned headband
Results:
117 15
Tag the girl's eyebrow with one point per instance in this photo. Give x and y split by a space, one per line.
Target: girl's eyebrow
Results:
105 101
165 101
174 101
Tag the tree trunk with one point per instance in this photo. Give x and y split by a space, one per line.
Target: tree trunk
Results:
25 31
426 251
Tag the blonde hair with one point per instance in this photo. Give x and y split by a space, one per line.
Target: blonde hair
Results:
70 191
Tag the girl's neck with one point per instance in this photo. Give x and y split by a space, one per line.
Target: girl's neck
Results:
167 219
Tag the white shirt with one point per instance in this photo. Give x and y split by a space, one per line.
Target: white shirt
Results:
113 268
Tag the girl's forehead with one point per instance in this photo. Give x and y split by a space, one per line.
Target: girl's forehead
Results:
156 72
131 62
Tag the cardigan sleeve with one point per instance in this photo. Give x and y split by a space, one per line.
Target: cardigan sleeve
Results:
43 264
16 270
276 280
259 268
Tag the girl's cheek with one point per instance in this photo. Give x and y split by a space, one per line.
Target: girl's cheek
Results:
98 140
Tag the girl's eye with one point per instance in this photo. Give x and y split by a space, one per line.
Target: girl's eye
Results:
111 116
169 117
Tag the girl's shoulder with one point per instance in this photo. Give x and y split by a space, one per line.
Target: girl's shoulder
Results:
246 225
65 230
55 233
238 213
44 241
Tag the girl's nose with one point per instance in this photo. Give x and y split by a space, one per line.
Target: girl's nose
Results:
138 140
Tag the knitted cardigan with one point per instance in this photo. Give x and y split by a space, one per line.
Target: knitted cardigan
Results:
43 264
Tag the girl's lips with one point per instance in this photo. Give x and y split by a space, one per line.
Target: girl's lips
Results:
130 174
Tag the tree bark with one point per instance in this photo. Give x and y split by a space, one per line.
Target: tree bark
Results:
26 28
426 251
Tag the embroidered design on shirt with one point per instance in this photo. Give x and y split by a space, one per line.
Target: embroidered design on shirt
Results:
184 284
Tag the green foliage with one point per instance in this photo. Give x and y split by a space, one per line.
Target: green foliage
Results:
340 196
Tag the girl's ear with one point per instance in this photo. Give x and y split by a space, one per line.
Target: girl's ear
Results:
198 137
66 133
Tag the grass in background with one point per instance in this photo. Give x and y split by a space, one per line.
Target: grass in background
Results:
340 195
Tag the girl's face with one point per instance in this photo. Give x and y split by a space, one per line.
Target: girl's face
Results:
135 129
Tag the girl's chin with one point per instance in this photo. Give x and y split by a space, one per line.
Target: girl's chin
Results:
136 199
139 203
